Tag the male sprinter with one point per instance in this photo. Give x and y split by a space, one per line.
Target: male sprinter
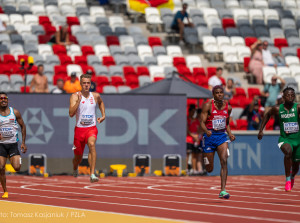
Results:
289 140
83 104
214 121
9 117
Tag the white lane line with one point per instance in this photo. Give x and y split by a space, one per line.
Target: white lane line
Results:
104 212
167 209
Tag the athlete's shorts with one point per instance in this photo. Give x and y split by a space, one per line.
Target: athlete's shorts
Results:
294 143
81 138
9 149
211 143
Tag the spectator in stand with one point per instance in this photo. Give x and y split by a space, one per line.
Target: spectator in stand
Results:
61 37
268 58
216 79
253 116
39 83
59 89
72 85
178 23
2 27
271 91
256 63
229 90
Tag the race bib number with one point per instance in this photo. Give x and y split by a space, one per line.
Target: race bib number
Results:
7 132
87 120
291 127
219 124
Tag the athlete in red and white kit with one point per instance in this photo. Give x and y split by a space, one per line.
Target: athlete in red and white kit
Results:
83 104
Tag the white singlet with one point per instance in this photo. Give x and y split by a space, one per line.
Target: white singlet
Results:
86 115
9 128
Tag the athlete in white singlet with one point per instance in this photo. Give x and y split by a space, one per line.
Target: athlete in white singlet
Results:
9 117
83 104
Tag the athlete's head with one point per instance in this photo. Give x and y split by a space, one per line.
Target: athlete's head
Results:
3 100
85 81
218 92
289 95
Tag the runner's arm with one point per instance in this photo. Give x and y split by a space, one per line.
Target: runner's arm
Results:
74 103
204 115
23 129
273 111
101 108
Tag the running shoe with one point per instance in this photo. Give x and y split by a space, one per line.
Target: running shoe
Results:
224 195
5 195
292 183
93 178
75 173
288 186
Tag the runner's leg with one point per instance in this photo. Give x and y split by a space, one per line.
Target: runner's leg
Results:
209 161
2 173
223 156
92 153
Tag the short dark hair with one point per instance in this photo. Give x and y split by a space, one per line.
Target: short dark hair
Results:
217 87
192 107
219 68
185 4
2 92
288 89
40 65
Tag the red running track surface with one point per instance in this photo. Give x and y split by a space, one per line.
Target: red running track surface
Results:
253 198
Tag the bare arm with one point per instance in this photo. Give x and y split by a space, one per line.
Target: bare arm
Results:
23 130
101 107
74 103
204 115
273 111
47 87
228 130
282 82
32 85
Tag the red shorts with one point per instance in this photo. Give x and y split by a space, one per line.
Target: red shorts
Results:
81 137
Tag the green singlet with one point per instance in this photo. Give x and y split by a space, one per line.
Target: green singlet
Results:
289 129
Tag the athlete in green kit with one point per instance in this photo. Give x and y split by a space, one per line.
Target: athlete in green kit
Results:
289 140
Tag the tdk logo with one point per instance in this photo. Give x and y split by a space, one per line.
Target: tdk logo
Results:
6 129
87 116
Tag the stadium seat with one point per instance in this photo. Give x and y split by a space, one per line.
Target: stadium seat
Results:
117 81
154 41
211 71
129 71
132 81
253 92
241 124
228 23
59 49
80 60
179 61
65 59
87 50
142 70
280 42
60 70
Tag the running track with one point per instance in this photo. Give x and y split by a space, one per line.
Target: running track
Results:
253 198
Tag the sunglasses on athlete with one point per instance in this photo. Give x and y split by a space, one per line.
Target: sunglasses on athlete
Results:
3 98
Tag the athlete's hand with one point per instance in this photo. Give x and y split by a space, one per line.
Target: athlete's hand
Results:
208 133
79 96
99 120
23 148
260 135
232 137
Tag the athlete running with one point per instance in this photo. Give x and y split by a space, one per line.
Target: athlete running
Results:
214 122
289 140
83 104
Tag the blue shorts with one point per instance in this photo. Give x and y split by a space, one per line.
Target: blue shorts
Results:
211 143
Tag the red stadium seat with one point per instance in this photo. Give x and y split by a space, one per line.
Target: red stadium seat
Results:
280 42
72 20
112 40
184 71
108 61
241 124
270 124
158 79
154 41
298 53
86 68
142 70
246 64
59 49
87 50
232 125
252 92
33 70
6 69
211 71
199 71
73 39
202 81
65 60
129 71
80 60
228 23
235 102
132 81
60 70
101 81
117 81
8 59
44 38
250 40
22 89
179 61
44 20
49 29
56 77
1 10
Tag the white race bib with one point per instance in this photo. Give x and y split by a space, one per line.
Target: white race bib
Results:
87 121
291 127
7 132
219 124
